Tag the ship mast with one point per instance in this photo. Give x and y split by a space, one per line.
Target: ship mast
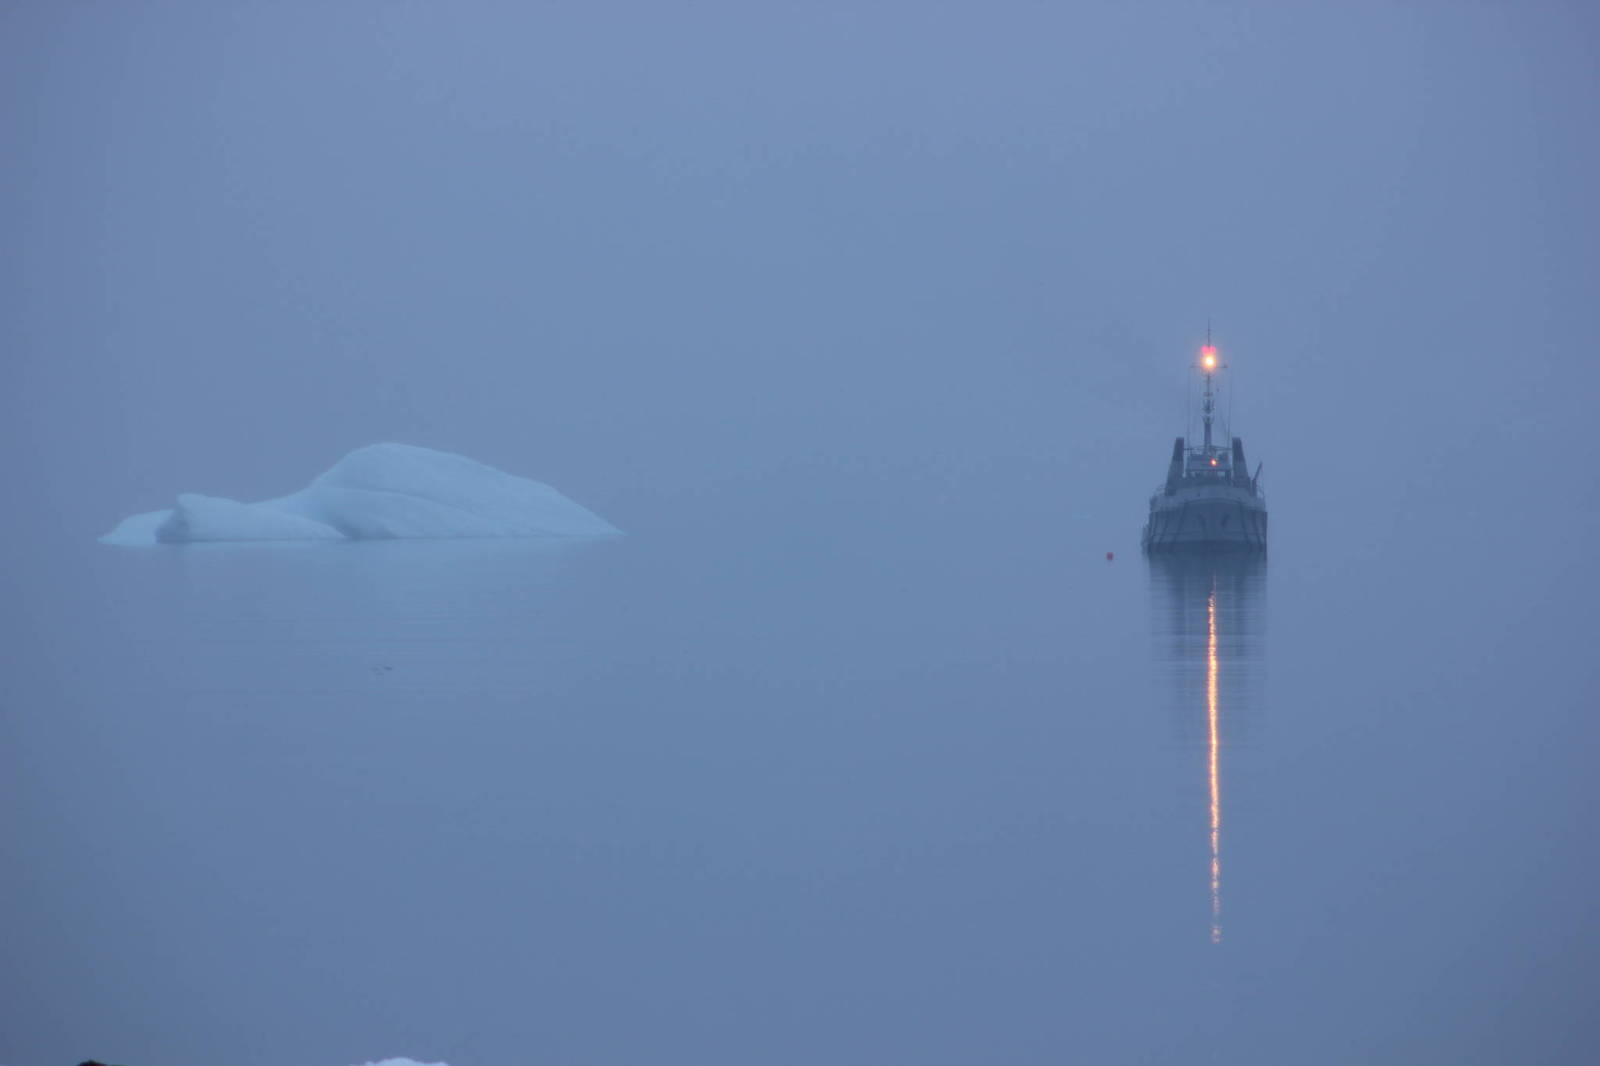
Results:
1208 366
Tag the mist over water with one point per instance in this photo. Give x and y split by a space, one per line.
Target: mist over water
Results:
871 328
805 791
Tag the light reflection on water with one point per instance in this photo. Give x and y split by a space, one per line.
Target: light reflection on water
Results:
1209 618
1213 776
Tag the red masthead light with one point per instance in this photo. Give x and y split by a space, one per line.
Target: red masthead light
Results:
1208 357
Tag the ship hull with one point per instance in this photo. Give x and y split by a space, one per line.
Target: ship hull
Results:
1204 521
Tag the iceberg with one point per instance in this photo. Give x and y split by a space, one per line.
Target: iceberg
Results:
380 492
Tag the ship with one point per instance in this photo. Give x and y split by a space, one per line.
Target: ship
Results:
1210 500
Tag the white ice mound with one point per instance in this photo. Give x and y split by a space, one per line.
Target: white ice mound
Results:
213 518
382 491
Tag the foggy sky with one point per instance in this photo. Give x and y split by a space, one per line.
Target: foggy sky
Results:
811 261
619 247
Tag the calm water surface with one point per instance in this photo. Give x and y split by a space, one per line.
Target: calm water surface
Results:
932 788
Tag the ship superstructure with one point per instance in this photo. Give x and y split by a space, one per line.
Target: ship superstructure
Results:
1210 500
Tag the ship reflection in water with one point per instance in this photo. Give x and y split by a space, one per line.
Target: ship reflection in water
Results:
1207 613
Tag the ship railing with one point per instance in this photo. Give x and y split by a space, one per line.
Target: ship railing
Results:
1196 482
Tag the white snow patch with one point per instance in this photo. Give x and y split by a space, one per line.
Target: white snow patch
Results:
382 491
